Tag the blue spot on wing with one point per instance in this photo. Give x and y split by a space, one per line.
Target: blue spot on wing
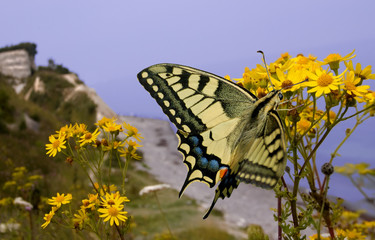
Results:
194 140
213 166
202 162
198 151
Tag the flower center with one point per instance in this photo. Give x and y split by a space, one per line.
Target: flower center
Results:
86 202
350 86
113 211
56 144
88 136
111 202
286 84
324 80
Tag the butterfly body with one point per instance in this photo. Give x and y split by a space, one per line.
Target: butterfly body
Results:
225 133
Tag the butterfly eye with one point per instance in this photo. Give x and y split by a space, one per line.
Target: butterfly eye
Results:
281 96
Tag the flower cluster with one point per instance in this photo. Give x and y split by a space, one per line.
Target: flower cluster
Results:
95 151
106 203
83 138
56 202
351 228
304 79
318 94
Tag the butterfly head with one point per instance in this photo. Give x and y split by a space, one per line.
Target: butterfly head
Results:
274 98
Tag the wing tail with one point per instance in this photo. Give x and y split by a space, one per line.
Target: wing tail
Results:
225 189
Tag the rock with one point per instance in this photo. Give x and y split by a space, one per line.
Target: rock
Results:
16 63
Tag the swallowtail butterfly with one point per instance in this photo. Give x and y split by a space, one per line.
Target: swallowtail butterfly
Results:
226 134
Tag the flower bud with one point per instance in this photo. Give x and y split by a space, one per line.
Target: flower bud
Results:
293 115
327 169
350 101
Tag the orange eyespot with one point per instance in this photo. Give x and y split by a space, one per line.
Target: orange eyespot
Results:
223 172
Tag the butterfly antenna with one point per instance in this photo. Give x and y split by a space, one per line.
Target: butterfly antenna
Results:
286 87
265 65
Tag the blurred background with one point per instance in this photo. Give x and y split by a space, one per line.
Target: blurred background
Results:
107 43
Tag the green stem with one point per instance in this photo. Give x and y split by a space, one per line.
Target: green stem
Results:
162 213
122 237
124 171
293 200
355 114
31 225
323 212
279 230
360 189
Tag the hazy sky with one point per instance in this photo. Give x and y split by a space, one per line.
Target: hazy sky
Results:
108 42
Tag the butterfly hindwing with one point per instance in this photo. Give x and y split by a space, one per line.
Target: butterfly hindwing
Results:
265 161
201 165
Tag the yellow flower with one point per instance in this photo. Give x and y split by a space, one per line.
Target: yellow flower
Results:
288 82
79 129
301 60
250 79
283 58
351 85
369 224
6 201
363 169
105 120
96 186
86 204
93 198
114 214
55 145
261 92
303 125
133 144
347 169
132 131
34 178
315 237
332 116
363 74
80 218
322 82
60 199
129 153
334 57
351 234
334 60
88 137
66 131
113 145
112 127
48 217
112 199
9 184
105 189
